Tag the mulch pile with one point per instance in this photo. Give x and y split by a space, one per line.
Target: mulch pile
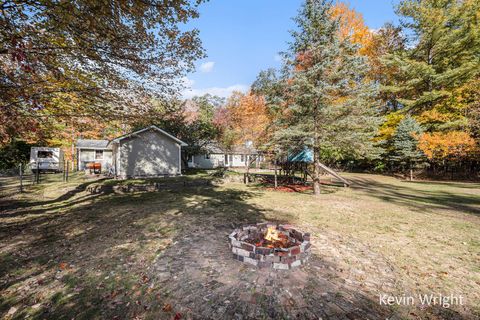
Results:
291 188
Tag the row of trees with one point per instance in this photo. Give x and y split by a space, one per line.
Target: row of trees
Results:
395 99
392 99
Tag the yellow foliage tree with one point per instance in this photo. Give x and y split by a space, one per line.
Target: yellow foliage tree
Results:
352 25
388 127
453 145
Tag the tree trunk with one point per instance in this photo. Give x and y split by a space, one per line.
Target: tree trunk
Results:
316 157
247 168
275 161
411 174
316 171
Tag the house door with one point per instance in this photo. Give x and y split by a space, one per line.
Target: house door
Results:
226 159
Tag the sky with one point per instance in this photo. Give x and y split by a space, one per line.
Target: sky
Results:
243 37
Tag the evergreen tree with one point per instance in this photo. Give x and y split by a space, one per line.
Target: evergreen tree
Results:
327 101
405 144
445 51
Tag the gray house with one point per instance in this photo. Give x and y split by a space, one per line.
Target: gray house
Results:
149 152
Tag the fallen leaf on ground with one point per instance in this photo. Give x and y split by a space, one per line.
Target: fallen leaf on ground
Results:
167 307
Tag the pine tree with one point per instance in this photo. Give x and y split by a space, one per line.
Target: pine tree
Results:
405 144
327 101
444 53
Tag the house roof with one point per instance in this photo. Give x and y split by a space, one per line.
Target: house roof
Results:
150 128
213 148
92 144
240 149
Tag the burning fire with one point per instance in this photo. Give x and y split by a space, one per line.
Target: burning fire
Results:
272 234
273 239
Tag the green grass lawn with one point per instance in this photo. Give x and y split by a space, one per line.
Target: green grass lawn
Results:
65 253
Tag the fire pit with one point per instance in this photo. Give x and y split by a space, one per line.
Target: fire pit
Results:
270 245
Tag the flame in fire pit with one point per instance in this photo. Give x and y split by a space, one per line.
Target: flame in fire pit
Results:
272 234
273 238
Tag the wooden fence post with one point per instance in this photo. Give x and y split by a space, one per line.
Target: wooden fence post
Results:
37 173
21 177
66 173
64 170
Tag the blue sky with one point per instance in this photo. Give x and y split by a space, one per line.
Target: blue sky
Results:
243 37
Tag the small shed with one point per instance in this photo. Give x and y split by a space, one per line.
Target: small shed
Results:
149 152
94 151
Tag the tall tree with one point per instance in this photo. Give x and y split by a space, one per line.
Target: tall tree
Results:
327 100
387 40
206 106
91 58
405 144
248 118
352 25
444 54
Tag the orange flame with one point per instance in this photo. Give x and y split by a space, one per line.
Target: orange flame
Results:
272 234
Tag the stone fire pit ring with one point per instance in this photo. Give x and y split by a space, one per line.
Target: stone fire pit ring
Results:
266 257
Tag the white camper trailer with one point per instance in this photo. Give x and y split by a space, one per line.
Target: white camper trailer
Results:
46 159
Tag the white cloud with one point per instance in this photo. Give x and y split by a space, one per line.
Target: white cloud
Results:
224 92
207 66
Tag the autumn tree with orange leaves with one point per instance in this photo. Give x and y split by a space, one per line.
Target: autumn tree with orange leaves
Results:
248 118
351 25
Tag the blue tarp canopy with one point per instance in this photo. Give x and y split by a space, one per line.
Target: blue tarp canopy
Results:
306 155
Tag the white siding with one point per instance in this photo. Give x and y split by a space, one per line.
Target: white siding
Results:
200 161
218 160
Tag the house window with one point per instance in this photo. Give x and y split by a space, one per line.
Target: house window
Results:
242 158
226 159
45 154
98 154
190 158
230 158
207 156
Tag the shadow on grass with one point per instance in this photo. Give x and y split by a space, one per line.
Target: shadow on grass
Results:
9 204
74 250
126 256
408 194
